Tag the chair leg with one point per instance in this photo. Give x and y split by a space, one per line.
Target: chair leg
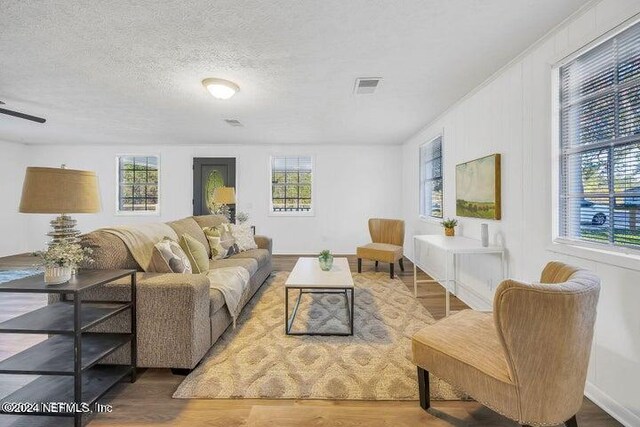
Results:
571 422
423 388
391 270
359 265
400 261
376 265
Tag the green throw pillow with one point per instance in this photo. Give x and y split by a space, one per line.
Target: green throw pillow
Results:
196 252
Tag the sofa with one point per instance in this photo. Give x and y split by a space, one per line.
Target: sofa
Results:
179 317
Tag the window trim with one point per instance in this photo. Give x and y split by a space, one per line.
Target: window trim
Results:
602 252
431 218
118 212
309 213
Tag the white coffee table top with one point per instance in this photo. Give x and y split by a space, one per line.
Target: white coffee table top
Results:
307 274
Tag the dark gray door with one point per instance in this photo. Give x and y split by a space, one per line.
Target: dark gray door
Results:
208 173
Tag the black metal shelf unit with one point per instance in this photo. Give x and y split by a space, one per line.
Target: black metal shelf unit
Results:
68 362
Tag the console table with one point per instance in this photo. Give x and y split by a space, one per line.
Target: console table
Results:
451 246
68 361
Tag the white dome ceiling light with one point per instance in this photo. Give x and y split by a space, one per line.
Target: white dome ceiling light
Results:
220 88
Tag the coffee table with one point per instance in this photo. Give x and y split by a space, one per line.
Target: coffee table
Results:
308 278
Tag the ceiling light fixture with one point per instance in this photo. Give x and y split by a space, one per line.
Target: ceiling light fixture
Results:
220 88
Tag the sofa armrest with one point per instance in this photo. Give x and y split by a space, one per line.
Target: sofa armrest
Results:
173 319
172 313
264 242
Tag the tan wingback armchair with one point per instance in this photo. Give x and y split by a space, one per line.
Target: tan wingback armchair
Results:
387 237
528 360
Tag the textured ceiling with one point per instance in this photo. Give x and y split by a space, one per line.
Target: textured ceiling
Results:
129 71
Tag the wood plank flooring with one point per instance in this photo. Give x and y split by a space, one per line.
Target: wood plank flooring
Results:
148 402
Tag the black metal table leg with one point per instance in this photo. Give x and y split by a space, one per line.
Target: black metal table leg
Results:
134 330
349 305
353 312
293 314
286 311
77 359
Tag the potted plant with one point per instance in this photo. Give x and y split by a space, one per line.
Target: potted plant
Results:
61 259
449 225
326 260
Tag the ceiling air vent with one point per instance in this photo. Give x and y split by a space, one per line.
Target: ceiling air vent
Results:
366 85
233 122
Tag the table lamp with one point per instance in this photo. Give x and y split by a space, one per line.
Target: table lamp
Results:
225 196
60 191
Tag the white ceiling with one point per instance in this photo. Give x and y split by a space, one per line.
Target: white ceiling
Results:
108 72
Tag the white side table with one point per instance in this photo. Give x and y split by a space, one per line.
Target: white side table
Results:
452 246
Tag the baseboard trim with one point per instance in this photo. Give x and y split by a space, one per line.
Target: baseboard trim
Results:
610 406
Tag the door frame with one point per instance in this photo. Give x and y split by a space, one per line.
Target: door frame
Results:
198 163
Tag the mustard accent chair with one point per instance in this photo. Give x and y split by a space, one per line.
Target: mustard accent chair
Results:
387 237
528 360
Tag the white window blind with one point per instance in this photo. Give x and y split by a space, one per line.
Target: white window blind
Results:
600 143
291 184
431 178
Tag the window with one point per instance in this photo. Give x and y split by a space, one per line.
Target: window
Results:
292 185
431 178
600 144
138 182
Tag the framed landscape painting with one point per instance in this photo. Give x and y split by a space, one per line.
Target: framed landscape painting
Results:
478 188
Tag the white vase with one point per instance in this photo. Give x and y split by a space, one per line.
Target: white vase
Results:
57 275
484 233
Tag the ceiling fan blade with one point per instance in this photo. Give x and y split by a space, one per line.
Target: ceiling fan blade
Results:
22 115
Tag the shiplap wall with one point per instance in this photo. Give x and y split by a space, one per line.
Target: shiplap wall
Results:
511 114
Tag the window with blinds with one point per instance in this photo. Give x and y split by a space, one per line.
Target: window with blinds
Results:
600 143
431 178
292 184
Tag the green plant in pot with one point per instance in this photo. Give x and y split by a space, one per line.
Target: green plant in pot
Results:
326 260
61 260
449 225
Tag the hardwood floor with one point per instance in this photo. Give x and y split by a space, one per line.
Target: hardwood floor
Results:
148 402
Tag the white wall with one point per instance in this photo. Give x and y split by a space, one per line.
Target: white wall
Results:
352 183
511 114
12 224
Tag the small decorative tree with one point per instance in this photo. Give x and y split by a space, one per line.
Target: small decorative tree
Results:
449 225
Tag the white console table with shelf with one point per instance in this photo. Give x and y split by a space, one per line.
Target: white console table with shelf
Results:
452 247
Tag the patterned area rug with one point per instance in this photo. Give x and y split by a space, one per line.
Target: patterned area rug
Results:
257 359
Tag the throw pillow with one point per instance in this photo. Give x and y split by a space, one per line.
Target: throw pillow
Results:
168 257
244 237
196 252
227 241
213 237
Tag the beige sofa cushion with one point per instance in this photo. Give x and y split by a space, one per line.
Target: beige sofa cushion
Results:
249 263
209 220
217 301
109 251
190 226
262 256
